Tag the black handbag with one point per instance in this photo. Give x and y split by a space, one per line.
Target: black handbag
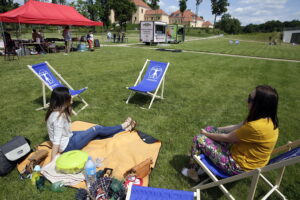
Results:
13 152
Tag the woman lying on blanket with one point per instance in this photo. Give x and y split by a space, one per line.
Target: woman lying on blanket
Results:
59 123
242 147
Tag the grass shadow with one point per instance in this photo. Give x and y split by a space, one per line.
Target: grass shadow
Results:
180 161
141 100
39 101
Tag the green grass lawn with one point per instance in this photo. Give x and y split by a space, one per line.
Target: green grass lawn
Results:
245 48
200 90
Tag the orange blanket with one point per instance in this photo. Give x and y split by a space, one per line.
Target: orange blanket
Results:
121 152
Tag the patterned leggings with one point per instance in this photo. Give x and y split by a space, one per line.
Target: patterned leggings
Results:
218 152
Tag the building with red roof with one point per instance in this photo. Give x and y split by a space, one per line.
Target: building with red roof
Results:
139 15
157 15
207 24
189 18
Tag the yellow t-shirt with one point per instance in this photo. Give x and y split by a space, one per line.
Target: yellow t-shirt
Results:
258 139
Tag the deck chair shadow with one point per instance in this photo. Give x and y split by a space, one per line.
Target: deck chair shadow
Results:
153 80
44 72
135 192
292 156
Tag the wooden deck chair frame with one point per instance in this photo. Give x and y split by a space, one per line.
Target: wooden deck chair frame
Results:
129 189
153 95
255 174
45 104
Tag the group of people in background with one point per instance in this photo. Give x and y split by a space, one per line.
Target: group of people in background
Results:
68 39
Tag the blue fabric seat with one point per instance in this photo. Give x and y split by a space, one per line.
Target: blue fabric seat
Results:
152 79
149 193
218 172
292 156
44 72
212 167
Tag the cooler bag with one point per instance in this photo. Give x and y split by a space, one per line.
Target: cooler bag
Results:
12 152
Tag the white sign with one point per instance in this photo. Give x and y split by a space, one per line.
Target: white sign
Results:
147 31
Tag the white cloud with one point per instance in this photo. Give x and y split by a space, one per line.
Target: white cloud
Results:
20 2
172 8
262 1
258 11
161 4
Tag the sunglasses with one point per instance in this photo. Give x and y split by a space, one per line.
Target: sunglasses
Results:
250 99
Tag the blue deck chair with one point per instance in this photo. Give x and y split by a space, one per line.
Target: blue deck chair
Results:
152 80
44 72
292 156
135 192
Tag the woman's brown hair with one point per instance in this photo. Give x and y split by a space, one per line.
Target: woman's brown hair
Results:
264 104
60 101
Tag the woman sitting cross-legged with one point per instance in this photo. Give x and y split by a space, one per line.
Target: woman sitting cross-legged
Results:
59 123
243 147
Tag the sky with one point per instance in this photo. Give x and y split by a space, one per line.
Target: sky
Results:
247 11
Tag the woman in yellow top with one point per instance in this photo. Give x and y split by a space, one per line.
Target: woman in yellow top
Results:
245 146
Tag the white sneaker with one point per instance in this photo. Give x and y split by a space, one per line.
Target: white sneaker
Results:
184 172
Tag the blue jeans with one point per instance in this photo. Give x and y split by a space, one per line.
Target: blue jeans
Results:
82 138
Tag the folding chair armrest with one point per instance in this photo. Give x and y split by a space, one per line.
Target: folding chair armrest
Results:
290 145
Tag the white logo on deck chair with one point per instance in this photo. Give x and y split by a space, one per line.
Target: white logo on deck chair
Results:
155 72
46 76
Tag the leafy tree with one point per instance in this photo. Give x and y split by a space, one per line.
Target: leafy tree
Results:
81 7
124 10
250 28
271 26
229 24
92 9
154 4
291 24
7 5
104 10
198 2
218 7
182 8
62 2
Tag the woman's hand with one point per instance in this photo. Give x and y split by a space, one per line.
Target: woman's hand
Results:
204 132
54 151
230 137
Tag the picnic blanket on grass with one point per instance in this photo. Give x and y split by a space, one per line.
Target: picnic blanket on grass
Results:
120 152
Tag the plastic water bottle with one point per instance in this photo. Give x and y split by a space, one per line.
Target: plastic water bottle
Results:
90 172
36 174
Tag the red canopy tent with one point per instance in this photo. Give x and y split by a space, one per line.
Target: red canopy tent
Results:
36 12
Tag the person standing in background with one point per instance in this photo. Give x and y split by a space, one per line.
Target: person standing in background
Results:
68 39
90 40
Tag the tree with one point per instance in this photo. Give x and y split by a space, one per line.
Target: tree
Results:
7 5
104 11
62 2
250 28
229 24
218 7
92 9
198 2
81 7
124 10
154 4
182 8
